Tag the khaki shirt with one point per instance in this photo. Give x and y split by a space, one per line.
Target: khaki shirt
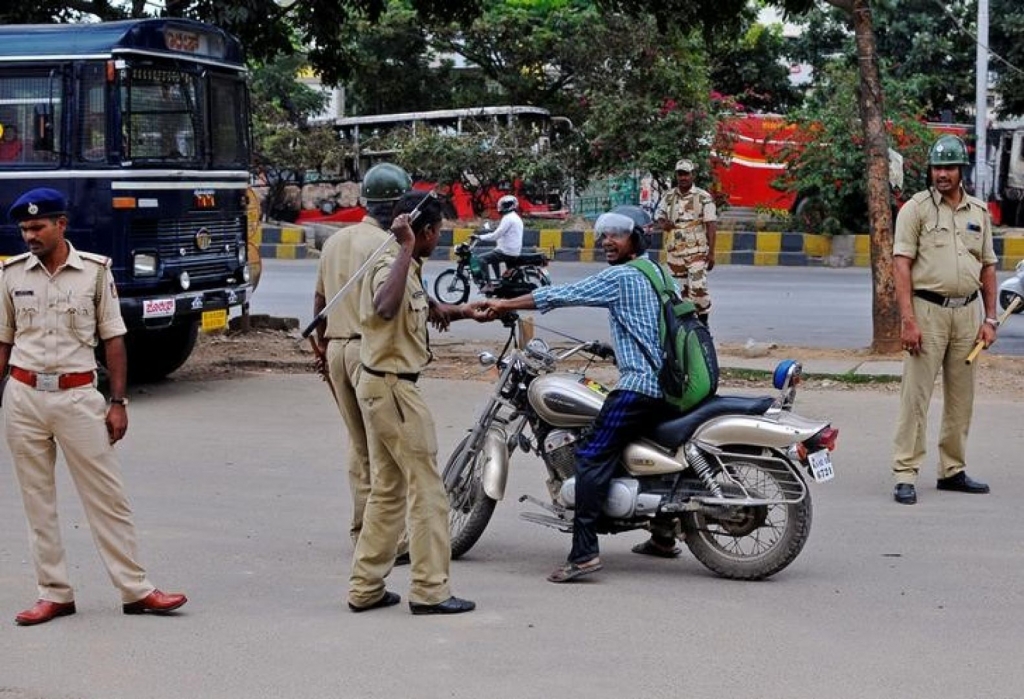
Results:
344 253
948 247
688 211
53 322
399 345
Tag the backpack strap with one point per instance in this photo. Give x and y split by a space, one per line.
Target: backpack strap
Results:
658 281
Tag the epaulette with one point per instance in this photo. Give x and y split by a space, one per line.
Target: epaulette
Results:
4 264
921 196
102 260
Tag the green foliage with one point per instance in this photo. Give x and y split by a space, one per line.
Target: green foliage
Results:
828 168
1007 40
286 148
500 157
937 73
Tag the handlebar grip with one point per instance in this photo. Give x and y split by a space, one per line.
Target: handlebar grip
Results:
602 350
509 319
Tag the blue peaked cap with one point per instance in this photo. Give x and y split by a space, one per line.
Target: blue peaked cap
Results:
38 203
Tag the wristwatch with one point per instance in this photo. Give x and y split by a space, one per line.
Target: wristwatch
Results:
119 401
994 322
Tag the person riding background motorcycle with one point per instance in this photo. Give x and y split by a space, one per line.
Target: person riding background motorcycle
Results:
507 237
636 400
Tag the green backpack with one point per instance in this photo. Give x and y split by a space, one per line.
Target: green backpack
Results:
689 364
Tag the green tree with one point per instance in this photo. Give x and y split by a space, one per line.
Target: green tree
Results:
286 148
1006 37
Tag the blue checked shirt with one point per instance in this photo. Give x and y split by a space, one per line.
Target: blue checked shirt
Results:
632 303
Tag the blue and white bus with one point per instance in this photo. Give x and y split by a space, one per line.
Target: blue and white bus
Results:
144 125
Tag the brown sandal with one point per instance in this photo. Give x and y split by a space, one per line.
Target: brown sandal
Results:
573 571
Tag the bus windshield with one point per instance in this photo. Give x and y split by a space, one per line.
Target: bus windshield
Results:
165 111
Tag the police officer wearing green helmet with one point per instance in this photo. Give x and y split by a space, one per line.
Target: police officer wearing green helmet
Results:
339 336
945 272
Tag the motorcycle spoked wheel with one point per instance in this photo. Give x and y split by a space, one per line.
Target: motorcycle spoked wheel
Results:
470 509
450 287
755 542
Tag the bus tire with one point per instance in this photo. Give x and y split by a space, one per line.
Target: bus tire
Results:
153 354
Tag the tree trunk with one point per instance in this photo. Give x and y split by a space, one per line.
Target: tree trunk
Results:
884 309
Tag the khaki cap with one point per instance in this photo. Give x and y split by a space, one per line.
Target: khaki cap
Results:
685 165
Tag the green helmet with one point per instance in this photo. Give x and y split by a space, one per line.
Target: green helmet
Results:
385 182
948 150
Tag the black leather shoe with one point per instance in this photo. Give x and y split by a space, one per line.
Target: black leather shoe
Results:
961 483
905 494
390 599
452 605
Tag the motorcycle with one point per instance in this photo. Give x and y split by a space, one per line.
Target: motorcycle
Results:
523 275
729 478
1013 288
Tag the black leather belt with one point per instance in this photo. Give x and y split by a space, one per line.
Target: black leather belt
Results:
945 301
382 374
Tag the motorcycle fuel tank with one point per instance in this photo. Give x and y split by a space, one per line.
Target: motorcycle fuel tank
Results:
566 400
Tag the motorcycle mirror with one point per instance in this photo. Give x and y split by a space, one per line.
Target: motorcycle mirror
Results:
487 359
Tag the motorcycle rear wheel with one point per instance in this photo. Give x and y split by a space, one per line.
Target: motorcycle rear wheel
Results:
450 287
765 539
533 276
470 508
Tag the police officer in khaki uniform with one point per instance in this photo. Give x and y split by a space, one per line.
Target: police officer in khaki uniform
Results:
400 431
54 303
339 337
942 258
688 216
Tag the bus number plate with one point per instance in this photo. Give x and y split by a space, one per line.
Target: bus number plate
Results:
215 320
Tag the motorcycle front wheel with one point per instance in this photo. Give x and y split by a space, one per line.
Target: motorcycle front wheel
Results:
470 508
450 287
752 543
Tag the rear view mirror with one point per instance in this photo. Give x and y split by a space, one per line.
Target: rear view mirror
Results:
42 127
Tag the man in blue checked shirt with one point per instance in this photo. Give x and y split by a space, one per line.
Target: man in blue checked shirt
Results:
636 401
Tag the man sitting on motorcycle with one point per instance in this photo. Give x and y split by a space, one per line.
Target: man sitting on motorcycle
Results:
636 400
507 237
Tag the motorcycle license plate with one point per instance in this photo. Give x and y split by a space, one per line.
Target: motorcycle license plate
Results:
821 466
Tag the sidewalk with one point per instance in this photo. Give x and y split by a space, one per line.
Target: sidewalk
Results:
836 367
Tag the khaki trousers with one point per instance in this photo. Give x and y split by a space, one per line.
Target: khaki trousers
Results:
343 365
36 422
403 452
947 337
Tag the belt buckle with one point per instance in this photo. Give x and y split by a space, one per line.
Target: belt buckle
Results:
958 302
47 382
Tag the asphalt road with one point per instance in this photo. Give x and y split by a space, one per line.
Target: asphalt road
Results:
241 501
800 306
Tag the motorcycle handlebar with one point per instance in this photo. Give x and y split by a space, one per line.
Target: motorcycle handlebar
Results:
602 350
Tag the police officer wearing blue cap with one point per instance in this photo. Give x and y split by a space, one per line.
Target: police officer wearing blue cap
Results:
56 305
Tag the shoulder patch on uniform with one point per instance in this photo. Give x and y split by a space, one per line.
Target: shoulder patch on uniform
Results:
93 257
4 264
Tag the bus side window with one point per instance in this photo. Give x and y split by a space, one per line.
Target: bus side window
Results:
42 127
11 147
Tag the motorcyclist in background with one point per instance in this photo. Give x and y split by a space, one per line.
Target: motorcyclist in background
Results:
507 237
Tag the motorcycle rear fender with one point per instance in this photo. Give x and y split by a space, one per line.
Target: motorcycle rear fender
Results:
494 452
777 430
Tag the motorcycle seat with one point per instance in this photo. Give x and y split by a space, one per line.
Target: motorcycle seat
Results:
527 259
674 432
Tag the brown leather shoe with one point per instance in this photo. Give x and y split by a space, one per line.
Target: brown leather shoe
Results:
155 602
44 611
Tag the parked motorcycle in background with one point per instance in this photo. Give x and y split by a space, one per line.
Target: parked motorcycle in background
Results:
523 275
1013 288
730 477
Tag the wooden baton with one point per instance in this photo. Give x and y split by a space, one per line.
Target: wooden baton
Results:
1002 319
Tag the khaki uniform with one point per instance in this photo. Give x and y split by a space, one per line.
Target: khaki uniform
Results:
342 255
53 324
948 249
402 442
687 249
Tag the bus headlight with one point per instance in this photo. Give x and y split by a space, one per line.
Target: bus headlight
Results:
144 264
241 252
246 274
185 281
